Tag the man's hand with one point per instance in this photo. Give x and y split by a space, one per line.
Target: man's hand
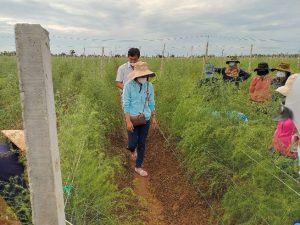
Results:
120 85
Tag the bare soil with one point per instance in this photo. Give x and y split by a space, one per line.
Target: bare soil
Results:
7 218
170 198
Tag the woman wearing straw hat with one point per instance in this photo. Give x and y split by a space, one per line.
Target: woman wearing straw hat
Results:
283 73
139 109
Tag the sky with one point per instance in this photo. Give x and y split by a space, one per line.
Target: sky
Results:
184 27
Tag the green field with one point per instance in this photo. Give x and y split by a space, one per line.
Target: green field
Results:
227 159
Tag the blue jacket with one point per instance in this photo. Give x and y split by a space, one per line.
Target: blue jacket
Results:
138 99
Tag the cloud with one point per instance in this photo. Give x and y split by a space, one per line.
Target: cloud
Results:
118 25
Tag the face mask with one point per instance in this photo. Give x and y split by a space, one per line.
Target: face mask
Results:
262 73
142 80
280 74
232 64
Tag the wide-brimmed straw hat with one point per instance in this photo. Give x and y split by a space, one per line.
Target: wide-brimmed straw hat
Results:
284 90
285 67
232 59
140 70
262 67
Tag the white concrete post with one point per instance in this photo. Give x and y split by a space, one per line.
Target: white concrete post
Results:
205 57
36 90
162 60
250 59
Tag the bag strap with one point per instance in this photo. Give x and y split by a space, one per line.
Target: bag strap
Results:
147 96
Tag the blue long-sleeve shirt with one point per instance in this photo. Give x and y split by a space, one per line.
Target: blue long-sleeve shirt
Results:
134 97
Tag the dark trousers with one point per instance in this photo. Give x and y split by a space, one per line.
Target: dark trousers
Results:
137 139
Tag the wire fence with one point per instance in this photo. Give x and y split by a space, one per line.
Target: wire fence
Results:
165 49
185 46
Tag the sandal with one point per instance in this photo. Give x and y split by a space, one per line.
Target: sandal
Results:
141 172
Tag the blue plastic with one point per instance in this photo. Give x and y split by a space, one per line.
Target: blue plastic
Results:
233 114
297 222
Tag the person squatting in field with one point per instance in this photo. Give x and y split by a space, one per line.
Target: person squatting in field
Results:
232 72
283 72
260 86
139 109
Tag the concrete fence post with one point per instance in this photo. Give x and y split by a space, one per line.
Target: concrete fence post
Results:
36 90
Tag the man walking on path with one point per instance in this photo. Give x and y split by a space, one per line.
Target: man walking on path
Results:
126 68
